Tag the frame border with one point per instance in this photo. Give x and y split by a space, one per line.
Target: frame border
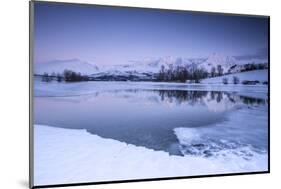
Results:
31 131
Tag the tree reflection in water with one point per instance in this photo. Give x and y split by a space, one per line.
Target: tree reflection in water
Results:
195 97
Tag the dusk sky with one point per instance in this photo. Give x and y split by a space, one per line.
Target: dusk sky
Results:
112 35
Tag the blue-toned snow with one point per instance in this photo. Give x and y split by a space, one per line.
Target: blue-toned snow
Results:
255 75
100 131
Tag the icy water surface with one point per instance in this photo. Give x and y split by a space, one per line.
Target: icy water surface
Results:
181 122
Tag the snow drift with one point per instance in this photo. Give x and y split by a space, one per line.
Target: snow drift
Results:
75 156
256 75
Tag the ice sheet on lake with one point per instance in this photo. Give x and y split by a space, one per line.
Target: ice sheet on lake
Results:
230 139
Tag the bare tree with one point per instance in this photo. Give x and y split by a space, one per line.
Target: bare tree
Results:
213 72
225 80
46 77
220 70
235 80
59 77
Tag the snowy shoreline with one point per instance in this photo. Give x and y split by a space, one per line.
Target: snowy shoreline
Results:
71 156
256 75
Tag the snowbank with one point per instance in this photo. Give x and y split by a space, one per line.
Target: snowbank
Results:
71 156
259 75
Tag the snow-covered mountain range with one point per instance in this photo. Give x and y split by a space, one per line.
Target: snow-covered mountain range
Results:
58 66
214 60
147 67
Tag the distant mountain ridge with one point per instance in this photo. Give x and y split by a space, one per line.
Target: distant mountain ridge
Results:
58 66
214 60
146 69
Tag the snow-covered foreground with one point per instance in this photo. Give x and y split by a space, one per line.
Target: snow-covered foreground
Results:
256 75
75 156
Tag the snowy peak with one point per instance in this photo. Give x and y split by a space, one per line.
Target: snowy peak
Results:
58 66
169 60
196 61
155 64
214 60
173 61
217 59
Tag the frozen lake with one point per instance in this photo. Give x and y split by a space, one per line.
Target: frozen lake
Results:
180 119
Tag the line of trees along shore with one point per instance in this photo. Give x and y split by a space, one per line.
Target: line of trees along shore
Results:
67 75
190 73
182 74
194 74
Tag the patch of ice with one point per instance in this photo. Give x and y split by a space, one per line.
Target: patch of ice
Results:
230 140
186 136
